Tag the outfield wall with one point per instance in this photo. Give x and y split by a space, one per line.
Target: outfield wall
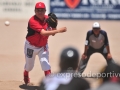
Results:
19 9
86 9
64 9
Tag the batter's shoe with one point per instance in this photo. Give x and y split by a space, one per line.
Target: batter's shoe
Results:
26 79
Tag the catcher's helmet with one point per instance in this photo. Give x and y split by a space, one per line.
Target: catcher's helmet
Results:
69 58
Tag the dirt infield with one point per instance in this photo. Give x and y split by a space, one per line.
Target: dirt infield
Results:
12 50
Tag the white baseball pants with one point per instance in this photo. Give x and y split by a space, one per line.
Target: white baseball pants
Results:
30 54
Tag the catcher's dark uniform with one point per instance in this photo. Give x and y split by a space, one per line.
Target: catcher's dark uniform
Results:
96 44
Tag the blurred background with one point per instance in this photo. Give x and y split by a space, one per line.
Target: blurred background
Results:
64 9
77 15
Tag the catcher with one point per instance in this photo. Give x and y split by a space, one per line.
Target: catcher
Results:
40 27
96 41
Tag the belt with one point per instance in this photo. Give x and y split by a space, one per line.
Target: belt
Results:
33 45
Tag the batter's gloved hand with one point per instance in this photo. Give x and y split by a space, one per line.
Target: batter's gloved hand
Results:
52 20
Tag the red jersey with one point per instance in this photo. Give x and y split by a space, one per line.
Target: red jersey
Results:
35 25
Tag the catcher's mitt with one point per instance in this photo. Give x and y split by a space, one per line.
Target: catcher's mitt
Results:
52 20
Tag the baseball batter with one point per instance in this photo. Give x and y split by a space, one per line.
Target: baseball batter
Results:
96 41
40 27
66 78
